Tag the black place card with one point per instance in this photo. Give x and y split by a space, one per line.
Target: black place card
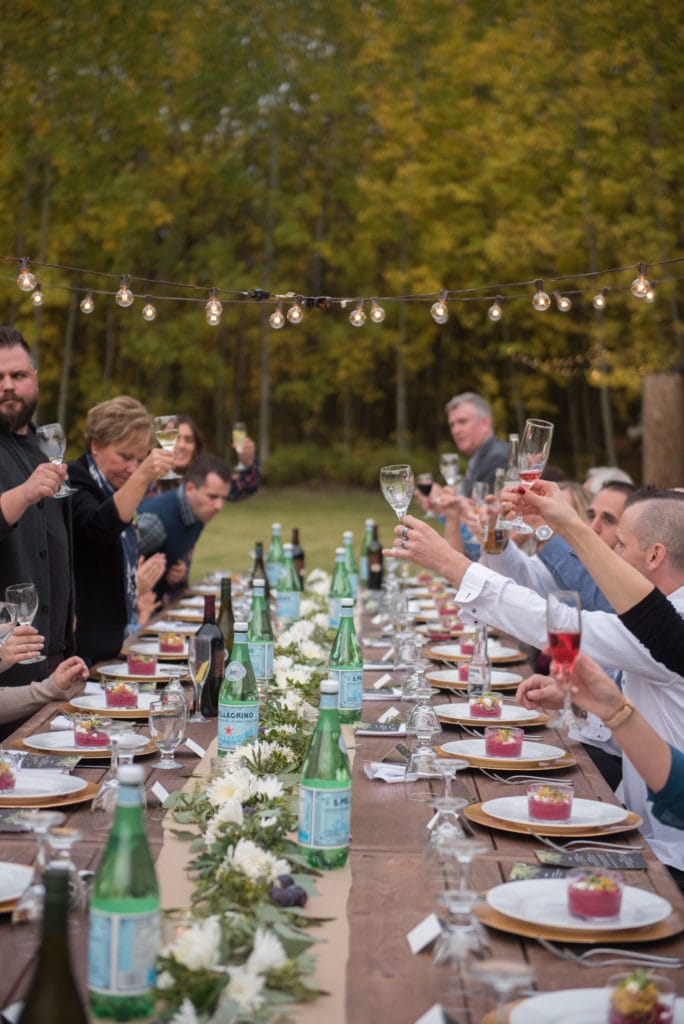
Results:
397 755
520 870
50 761
10 821
592 859
395 726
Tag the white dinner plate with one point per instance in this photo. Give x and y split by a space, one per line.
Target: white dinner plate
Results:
459 711
119 670
61 739
449 677
152 647
544 900
531 751
585 813
495 650
170 626
569 1006
205 588
33 783
192 602
13 880
98 703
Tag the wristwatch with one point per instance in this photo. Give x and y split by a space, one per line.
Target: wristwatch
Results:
543 532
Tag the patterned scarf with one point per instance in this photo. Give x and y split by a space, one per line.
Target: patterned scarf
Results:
129 543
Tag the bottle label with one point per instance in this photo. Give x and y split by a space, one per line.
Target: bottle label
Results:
288 604
261 656
238 724
334 611
324 817
122 949
351 687
273 571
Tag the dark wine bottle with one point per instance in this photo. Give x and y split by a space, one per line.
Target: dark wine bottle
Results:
259 569
226 619
298 556
375 561
212 684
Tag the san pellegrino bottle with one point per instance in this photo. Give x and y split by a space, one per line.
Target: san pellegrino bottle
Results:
339 587
363 559
238 714
212 684
298 556
350 562
375 561
345 664
260 638
53 997
274 556
289 596
325 789
479 666
259 570
226 618
124 912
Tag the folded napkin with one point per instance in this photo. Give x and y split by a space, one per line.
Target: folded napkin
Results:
92 688
61 722
387 772
381 666
390 693
376 643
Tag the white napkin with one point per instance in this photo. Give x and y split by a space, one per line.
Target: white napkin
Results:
92 688
377 643
61 722
387 772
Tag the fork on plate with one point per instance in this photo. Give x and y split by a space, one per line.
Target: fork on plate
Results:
605 956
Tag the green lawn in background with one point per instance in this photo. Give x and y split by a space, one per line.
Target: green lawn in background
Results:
321 515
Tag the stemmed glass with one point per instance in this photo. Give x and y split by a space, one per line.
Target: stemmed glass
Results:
8 620
396 483
424 725
123 743
24 597
166 432
238 439
60 841
564 628
52 442
450 468
532 456
167 728
199 657
29 906
424 484
504 976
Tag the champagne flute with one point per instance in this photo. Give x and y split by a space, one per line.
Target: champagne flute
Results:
24 596
167 728
239 438
532 455
396 483
564 628
450 468
166 431
199 658
52 442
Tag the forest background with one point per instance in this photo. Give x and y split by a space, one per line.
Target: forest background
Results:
388 148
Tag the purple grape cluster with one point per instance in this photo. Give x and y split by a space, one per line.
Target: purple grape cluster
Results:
286 893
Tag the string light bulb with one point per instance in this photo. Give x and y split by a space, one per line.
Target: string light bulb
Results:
439 311
124 296
563 303
640 286
377 313
87 304
37 297
26 280
295 314
541 301
495 312
276 319
650 295
149 312
357 317
599 300
214 306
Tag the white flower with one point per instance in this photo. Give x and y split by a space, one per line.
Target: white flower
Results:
307 608
284 730
282 663
321 621
230 814
197 947
294 674
297 633
311 650
318 582
267 952
270 786
185 1014
165 980
238 784
254 862
262 750
245 988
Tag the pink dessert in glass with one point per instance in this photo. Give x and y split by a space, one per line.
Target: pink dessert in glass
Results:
463 673
594 893
486 705
467 647
172 643
641 998
121 694
503 742
89 731
549 803
8 777
142 664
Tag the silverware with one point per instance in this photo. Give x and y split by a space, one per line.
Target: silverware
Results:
605 956
516 780
586 844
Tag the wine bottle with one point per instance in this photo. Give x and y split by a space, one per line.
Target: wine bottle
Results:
375 561
339 588
350 562
479 666
238 713
124 912
325 789
495 539
212 684
274 556
260 639
53 997
259 570
289 595
363 559
226 619
345 664
298 556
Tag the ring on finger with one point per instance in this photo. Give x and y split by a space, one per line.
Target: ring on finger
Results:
404 533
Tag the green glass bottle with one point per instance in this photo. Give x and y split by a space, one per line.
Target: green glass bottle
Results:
53 997
345 664
350 562
363 560
260 639
226 619
274 556
298 556
259 570
124 912
289 596
339 588
325 789
238 711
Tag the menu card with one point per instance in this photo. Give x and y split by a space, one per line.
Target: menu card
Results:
592 859
10 821
67 761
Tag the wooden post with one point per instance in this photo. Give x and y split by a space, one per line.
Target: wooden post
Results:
663 412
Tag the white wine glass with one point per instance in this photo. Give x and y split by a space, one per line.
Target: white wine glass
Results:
564 630
199 658
166 431
24 597
450 468
504 976
8 620
396 483
533 453
167 728
52 442
124 744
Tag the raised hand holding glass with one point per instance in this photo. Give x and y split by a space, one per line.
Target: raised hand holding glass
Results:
396 483
52 442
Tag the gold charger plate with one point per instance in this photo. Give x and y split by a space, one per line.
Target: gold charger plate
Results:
475 813
496 659
80 797
510 764
672 925
83 752
185 615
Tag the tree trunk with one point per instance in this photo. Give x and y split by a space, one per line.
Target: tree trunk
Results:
67 360
663 407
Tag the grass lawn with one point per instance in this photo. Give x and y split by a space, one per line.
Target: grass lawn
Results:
321 515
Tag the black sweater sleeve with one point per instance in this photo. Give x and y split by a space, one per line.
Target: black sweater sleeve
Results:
659 626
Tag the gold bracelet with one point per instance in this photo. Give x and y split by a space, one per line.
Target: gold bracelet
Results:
620 716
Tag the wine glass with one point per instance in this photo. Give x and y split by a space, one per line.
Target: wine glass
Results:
564 628
167 728
423 724
199 658
424 484
52 442
166 432
61 840
24 597
29 906
504 976
8 620
532 455
239 438
123 743
450 468
396 483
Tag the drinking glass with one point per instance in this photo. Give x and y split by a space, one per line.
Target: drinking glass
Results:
60 841
123 743
166 432
8 620
424 725
532 455
52 442
396 483
462 942
424 484
564 628
504 976
238 439
29 906
24 597
450 468
199 657
167 728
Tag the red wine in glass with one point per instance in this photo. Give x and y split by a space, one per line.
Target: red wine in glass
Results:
424 483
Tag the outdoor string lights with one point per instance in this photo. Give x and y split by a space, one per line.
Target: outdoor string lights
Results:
289 308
